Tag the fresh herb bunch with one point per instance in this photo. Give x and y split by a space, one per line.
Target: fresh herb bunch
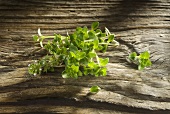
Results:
143 60
76 52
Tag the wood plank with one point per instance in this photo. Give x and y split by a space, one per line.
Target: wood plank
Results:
138 25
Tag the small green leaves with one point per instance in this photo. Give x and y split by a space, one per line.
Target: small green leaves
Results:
111 38
132 56
144 55
91 54
80 55
143 60
95 89
94 25
65 74
71 71
76 52
34 68
92 65
103 62
35 38
73 48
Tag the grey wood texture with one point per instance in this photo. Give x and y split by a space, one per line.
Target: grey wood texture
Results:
139 25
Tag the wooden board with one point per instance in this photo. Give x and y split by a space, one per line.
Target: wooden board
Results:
139 26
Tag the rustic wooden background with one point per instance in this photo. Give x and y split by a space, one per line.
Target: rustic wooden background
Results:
138 24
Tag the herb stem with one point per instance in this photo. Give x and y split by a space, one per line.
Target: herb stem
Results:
44 37
88 40
97 58
114 44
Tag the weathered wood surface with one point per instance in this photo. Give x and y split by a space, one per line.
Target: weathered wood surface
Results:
139 25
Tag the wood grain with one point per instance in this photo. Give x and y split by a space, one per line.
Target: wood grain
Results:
139 26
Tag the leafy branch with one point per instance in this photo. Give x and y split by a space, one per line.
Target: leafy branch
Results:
143 60
76 52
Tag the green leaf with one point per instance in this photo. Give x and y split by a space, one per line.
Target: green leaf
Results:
61 57
58 39
35 38
67 43
73 48
78 29
72 54
94 25
103 71
92 35
97 71
104 48
98 31
73 37
141 67
132 56
111 38
103 62
92 54
95 89
148 63
96 43
92 64
103 35
80 73
80 55
64 74
144 55
84 46
80 36
85 29
86 70
75 68
84 61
